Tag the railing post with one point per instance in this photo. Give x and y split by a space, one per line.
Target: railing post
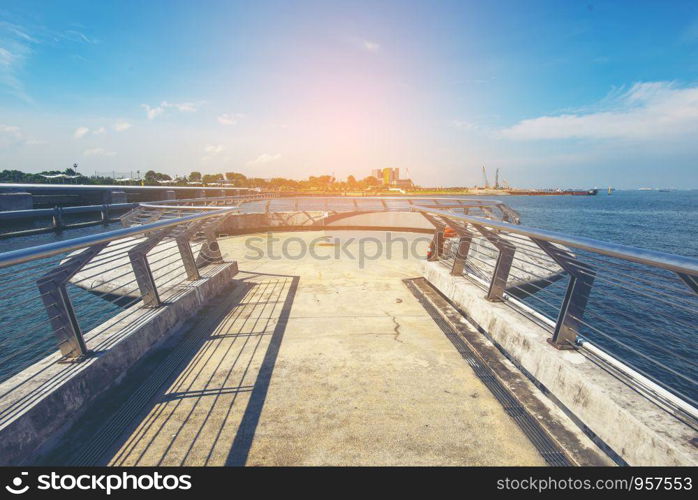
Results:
210 250
184 244
462 253
576 296
138 255
436 247
690 280
500 275
57 219
188 258
59 308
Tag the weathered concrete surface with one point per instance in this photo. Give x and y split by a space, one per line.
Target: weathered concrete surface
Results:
42 401
313 361
634 427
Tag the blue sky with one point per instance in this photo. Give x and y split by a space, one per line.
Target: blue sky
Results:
553 93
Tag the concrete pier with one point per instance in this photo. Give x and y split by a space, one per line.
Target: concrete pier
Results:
622 412
307 361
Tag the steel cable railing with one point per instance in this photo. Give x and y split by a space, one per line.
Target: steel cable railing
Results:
57 295
638 306
94 278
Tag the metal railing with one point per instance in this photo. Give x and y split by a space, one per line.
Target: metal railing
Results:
627 304
638 306
62 291
57 295
273 202
24 222
346 204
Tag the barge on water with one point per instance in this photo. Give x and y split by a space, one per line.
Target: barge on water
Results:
556 192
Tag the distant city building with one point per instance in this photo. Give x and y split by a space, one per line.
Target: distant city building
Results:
390 177
387 176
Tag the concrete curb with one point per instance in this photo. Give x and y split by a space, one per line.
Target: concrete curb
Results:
636 429
43 401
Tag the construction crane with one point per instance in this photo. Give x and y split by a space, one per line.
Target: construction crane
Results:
484 177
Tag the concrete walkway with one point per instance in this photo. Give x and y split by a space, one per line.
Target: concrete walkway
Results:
321 362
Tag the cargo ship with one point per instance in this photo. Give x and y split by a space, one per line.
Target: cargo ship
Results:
554 192
588 192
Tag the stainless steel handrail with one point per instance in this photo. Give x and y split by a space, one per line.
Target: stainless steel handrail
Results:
242 198
671 262
37 212
581 275
50 249
521 266
184 207
121 187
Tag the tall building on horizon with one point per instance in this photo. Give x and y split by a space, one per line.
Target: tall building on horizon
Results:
390 177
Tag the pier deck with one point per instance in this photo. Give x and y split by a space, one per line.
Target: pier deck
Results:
304 362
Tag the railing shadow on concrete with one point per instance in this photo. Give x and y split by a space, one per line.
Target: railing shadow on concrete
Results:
184 399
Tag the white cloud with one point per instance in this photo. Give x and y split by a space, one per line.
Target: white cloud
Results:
121 126
15 49
77 36
99 131
647 111
266 158
7 58
183 107
212 150
188 107
152 112
371 46
98 152
11 130
462 124
9 135
17 46
80 132
229 118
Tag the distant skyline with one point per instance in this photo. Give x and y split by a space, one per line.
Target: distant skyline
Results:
554 94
